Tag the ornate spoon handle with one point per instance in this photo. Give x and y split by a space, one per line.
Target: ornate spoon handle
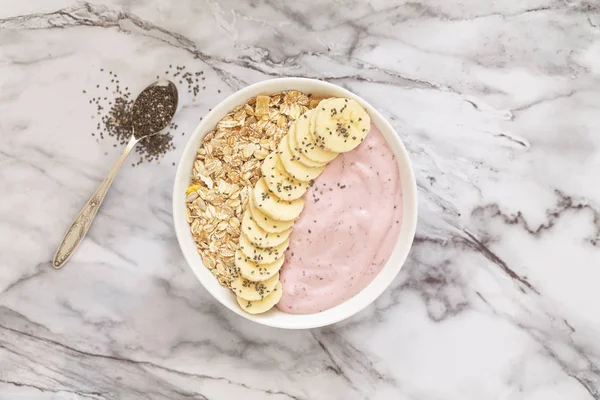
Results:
82 223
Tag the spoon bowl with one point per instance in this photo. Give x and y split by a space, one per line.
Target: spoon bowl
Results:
171 90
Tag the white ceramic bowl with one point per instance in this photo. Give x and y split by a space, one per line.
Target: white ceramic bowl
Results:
276 318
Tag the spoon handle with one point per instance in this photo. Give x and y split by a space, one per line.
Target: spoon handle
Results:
82 223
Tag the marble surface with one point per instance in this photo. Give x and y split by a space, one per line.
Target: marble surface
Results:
498 104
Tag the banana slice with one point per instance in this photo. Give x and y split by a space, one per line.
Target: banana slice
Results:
341 124
293 167
249 290
258 237
305 140
264 305
253 272
261 256
324 101
279 182
298 153
273 206
264 221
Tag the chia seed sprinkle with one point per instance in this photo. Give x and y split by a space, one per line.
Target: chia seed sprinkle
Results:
115 114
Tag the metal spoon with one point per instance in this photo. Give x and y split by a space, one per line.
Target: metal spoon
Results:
84 219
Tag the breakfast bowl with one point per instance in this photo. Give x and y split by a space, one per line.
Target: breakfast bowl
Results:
275 317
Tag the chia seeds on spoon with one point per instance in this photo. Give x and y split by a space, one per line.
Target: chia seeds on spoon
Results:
153 110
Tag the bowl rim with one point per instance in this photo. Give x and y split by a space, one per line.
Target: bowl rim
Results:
409 218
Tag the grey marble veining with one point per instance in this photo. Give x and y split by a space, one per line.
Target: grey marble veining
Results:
498 104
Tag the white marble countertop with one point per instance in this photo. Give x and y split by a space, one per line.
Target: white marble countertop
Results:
498 104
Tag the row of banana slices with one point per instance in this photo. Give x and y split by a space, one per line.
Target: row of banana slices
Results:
335 126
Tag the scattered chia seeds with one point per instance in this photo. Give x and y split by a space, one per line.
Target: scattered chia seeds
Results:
115 107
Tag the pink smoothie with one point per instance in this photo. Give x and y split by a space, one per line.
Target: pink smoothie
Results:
347 230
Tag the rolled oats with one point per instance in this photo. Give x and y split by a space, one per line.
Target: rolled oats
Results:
226 169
